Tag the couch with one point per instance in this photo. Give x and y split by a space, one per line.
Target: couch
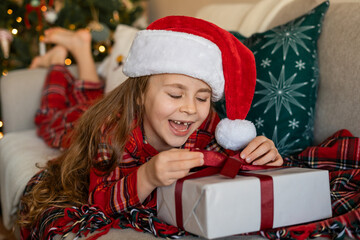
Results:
337 104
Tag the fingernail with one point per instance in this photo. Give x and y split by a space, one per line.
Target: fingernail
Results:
254 163
248 159
242 156
202 162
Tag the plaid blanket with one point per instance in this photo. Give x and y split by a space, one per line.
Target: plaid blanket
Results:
340 154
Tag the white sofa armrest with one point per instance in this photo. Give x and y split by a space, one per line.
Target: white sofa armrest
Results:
20 95
19 153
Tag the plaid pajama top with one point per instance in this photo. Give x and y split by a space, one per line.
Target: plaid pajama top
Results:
64 99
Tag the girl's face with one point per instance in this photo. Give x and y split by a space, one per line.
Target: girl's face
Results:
175 106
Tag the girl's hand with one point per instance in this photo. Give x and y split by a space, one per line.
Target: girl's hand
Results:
165 168
262 151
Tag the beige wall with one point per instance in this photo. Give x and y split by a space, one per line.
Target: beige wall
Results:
162 8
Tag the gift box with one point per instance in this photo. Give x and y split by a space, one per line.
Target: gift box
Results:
217 206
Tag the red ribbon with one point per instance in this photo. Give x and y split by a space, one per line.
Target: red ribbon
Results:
230 167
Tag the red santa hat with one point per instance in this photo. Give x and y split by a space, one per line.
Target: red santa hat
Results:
200 49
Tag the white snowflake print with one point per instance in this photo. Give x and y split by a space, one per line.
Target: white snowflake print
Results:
259 122
309 128
322 17
289 35
300 64
280 93
265 63
315 68
293 123
284 147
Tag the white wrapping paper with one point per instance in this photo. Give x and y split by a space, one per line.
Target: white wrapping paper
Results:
216 206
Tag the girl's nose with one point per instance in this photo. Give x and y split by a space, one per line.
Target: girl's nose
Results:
188 107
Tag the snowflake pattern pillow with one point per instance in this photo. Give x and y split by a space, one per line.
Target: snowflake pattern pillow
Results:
283 108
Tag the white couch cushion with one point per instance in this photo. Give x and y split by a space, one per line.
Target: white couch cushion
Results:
19 152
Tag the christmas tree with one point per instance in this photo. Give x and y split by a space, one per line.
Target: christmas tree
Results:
22 23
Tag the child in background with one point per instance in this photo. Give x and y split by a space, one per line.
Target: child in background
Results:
65 98
145 133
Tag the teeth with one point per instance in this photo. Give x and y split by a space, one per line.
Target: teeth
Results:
178 122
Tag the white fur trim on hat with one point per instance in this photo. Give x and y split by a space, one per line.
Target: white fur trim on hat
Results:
162 51
234 134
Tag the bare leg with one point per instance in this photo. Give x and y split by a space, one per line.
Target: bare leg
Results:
79 45
56 55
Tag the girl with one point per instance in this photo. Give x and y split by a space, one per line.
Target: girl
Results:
145 133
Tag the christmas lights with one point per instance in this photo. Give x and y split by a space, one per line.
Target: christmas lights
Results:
22 25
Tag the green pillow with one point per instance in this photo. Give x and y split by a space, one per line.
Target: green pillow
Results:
283 108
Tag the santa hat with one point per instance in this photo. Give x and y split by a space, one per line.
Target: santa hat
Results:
200 49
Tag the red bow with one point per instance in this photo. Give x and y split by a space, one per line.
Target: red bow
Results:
230 167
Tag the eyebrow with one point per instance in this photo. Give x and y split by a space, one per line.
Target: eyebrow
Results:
177 85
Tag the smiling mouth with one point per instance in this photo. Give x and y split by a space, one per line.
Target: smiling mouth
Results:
180 126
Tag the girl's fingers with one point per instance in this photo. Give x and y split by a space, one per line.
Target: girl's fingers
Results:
261 151
178 169
268 157
277 162
181 154
251 147
173 164
266 151
181 165
181 159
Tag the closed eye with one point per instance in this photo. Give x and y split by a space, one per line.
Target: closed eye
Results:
202 99
175 96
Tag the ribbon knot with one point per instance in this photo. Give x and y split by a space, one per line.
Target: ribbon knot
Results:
230 166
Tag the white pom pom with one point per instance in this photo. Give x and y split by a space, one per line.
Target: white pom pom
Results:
234 134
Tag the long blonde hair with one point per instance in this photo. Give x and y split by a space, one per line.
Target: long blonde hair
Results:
66 180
